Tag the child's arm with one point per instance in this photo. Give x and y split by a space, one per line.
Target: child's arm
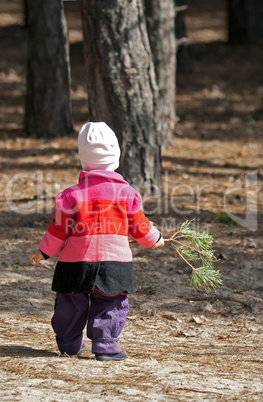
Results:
140 228
57 232
60 228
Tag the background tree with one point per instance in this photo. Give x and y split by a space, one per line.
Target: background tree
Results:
48 109
160 17
183 58
25 7
245 20
122 89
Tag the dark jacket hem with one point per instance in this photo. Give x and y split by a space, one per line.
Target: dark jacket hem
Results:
111 277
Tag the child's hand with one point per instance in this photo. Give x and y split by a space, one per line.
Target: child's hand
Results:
160 243
37 257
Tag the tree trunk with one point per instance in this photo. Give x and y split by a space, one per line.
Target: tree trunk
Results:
245 20
48 109
184 64
160 17
122 89
25 7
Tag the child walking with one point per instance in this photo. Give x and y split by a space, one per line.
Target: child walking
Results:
90 232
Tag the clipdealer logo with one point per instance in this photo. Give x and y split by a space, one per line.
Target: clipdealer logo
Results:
163 202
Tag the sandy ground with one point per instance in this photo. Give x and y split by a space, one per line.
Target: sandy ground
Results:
182 344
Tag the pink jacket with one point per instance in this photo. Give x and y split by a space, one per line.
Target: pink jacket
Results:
93 220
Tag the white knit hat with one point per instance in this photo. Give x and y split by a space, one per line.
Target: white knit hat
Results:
98 147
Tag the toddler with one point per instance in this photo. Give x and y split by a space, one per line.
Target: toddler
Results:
90 232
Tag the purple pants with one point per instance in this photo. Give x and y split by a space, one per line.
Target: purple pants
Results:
105 317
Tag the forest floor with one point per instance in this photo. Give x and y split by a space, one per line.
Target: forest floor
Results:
182 344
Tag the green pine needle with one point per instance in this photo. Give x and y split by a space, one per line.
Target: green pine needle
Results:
203 278
195 247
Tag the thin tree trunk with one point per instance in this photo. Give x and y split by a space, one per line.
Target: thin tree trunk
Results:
48 109
25 7
184 64
245 20
122 88
160 16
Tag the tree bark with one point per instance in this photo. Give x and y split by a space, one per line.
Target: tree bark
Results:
122 89
160 16
245 20
48 108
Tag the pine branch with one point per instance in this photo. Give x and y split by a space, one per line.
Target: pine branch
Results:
192 248
197 248
204 277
